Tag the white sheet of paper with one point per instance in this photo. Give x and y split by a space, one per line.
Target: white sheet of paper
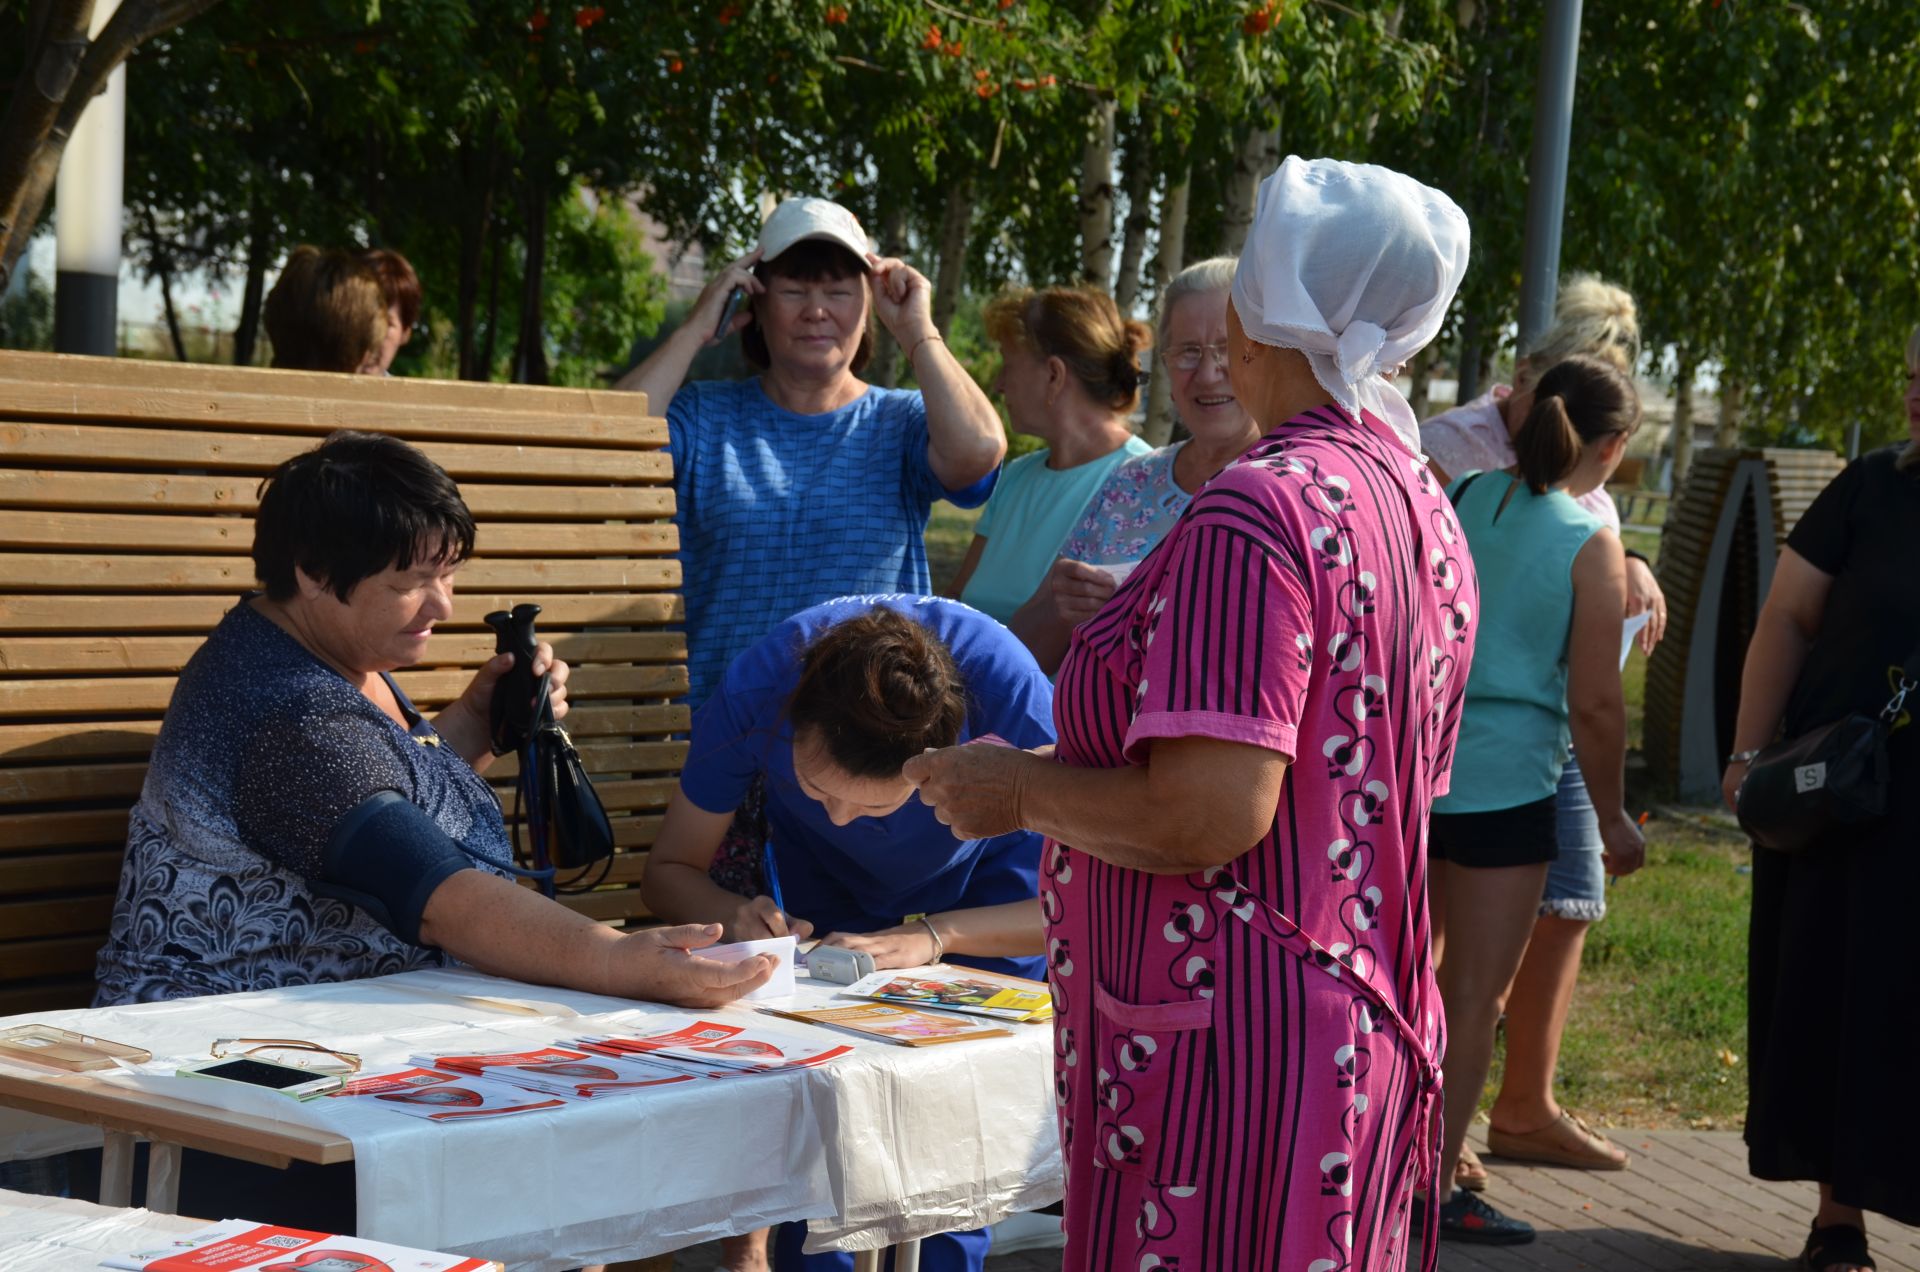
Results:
783 948
1629 631
1119 571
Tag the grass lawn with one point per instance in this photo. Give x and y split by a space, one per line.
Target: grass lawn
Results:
1657 1036
1658 1031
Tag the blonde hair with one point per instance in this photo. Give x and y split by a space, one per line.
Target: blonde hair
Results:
327 312
1910 457
1591 317
1083 328
1202 278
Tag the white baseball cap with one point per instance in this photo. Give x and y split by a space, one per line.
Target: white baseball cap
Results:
798 219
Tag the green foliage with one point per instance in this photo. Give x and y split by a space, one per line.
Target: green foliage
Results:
602 293
26 315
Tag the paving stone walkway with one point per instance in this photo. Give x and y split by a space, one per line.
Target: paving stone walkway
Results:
1687 1205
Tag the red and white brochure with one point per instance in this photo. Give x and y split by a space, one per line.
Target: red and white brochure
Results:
444 1097
569 1074
241 1245
720 1050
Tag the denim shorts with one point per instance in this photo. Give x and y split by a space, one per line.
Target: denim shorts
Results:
1577 879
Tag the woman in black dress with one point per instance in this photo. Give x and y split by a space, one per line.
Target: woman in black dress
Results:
1830 959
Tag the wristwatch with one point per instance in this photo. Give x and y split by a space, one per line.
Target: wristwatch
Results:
1744 757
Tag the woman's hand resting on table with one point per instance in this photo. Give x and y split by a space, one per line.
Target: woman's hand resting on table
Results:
909 945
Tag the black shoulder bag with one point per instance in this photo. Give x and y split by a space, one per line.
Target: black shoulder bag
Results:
566 824
1834 776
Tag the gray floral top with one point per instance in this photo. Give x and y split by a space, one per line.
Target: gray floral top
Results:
263 750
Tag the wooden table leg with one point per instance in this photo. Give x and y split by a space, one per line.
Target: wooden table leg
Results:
163 1178
906 1257
116 1169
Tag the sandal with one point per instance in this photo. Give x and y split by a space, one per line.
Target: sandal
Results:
1834 1246
1566 1141
1471 1174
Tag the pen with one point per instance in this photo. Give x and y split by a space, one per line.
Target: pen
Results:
771 874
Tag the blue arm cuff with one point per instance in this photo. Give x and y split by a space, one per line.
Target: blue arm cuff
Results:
387 856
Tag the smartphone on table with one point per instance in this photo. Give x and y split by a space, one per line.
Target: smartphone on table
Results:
301 1084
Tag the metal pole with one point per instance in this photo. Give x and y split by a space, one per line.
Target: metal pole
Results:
87 215
1547 170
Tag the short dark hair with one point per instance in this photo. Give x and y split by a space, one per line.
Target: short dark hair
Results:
876 690
351 507
808 261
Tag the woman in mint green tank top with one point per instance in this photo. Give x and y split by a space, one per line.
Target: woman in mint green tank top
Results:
1545 671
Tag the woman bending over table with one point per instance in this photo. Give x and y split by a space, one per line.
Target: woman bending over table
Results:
827 708
1251 733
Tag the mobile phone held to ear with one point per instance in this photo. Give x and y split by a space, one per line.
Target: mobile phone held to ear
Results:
301 1084
734 299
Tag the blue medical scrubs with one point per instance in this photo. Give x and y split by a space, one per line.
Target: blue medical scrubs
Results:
875 871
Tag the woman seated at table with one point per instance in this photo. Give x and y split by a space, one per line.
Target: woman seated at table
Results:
1143 498
828 707
302 822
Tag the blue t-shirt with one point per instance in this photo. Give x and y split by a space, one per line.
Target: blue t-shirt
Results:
875 871
779 511
1027 522
264 749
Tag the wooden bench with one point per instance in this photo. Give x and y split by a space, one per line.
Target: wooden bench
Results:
126 497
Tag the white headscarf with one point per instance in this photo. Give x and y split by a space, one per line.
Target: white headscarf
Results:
1354 265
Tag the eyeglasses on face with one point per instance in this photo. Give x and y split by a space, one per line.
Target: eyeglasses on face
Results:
1186 357
289 1051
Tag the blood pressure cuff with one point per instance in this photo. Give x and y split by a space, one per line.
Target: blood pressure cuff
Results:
387 856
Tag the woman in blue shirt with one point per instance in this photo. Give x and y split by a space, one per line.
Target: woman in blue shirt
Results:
827 708
1553 591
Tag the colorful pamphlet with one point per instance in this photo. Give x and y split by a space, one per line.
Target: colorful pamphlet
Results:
241 1245
886 1023
445 1097
713 1049
958 989
561 1071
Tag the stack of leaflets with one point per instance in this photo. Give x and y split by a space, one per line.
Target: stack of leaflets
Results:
562 1071
883 1022
444 1097
241 1245
959 989
710 1049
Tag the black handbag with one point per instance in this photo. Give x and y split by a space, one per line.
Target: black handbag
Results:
567 826
1829 778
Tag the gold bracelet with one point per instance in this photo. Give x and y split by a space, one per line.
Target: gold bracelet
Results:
939 946
916 348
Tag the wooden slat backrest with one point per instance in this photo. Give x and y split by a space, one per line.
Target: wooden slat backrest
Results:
126 497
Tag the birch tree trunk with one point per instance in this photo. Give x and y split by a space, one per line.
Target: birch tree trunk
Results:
1168 261
1133 239
1682 420
1258 155
956 224
1096 197
1733 395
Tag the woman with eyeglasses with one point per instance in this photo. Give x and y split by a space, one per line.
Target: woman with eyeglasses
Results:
1141 499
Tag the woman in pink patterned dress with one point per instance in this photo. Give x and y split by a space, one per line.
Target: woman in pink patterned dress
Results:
1251 735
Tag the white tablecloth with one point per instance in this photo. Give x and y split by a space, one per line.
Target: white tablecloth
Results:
52 1234
880 1146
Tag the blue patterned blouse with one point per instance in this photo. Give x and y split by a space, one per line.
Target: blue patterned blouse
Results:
264 748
